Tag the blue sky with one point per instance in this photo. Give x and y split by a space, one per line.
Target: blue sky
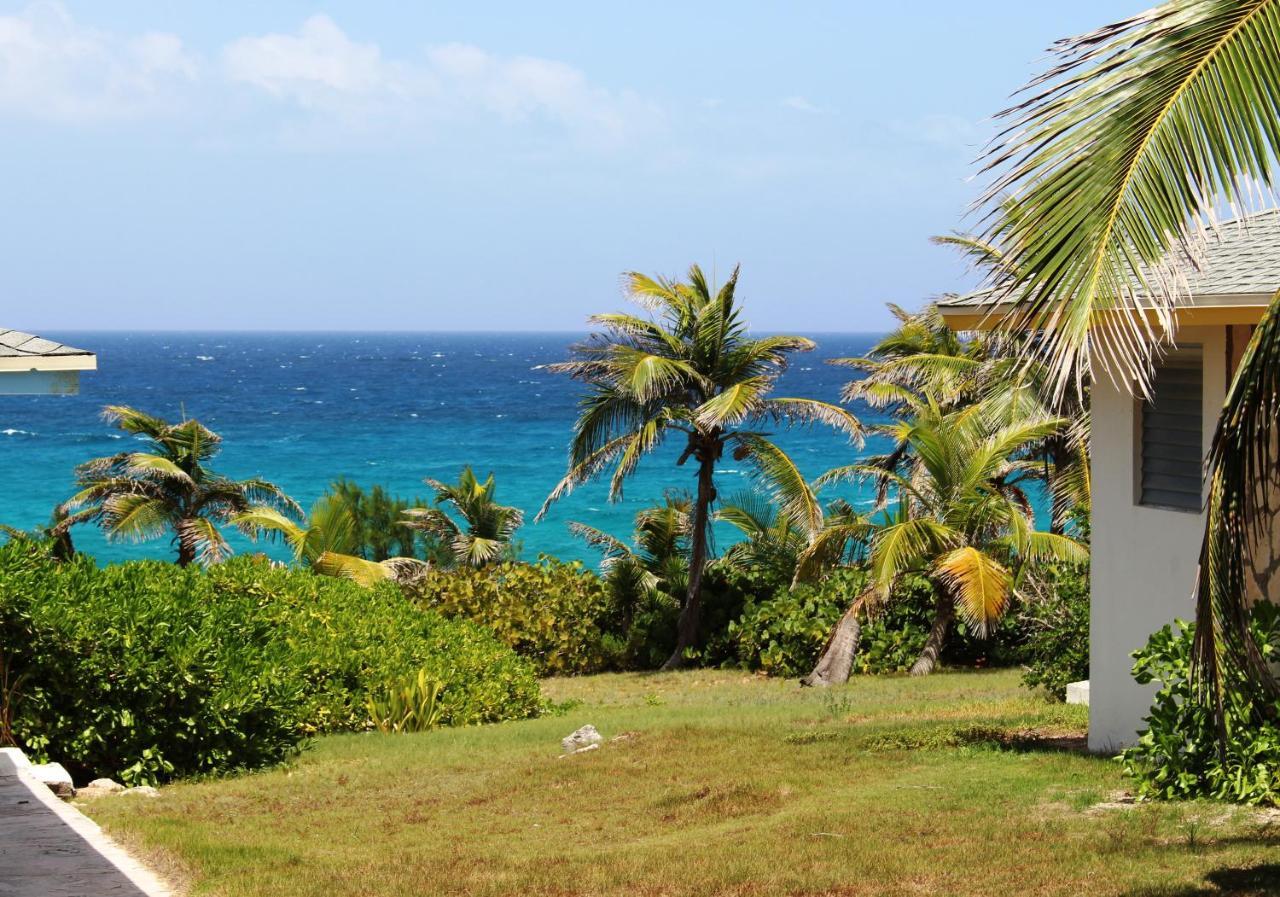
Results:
380 165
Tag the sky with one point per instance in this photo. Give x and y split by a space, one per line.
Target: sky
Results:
377 165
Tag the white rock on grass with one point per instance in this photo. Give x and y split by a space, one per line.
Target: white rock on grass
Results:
100 788
584 737
141 791
56 777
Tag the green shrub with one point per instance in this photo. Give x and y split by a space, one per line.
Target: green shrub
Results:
145 670
1055 625
1178 756
784 634
557 615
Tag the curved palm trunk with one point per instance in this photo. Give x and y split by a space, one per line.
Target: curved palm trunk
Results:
687 627
944 613
836 662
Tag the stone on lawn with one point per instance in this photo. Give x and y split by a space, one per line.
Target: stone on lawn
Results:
141 791
57 778
584 737
1078 692
101 788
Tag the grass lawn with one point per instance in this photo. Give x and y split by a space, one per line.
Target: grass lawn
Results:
962 783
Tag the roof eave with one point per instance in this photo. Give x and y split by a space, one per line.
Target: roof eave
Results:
1201 310
79 362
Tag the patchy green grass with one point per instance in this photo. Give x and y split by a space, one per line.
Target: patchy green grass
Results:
959 784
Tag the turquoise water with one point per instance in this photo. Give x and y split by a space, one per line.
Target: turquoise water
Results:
303 409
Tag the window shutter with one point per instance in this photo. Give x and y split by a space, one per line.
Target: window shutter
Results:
1172 432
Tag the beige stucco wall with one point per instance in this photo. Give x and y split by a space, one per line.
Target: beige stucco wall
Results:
1144 559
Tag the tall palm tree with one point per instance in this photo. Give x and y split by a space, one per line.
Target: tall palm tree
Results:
1119 156
484 528
690 367
141 495
957 514
328 541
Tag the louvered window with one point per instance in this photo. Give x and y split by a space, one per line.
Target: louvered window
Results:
1172 433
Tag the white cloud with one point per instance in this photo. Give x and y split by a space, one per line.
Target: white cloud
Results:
337 88
801 104
51 67
320 69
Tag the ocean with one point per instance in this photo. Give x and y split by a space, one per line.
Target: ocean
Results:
303 409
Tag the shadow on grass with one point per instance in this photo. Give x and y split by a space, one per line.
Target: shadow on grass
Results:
1252 881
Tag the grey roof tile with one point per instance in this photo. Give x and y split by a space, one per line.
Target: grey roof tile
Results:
1241 256
16 344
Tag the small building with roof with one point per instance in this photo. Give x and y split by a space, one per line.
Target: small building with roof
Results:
1147 461
32 365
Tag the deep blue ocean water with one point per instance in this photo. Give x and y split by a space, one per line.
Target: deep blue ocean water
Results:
303 409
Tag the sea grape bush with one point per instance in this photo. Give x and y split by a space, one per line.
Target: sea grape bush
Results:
1178 755
557 615
146 671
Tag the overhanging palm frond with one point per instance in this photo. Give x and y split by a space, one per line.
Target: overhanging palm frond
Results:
1243 463
1117 156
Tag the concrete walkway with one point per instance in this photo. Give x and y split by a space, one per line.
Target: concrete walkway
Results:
48 848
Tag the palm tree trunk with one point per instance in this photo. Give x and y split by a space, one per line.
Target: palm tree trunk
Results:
944 612
687 626
836 662
186 553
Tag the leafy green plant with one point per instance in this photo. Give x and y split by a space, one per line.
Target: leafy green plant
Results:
1055 623
1179 754
783 634
410 705
554 614
148 671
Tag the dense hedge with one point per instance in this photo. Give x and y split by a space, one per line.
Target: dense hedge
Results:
146 671
557 615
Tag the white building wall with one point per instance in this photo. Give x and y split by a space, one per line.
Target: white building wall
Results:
1144 559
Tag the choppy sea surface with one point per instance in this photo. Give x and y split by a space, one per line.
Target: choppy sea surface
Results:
303 409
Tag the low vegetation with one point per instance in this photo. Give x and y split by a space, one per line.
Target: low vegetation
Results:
147 671
886 786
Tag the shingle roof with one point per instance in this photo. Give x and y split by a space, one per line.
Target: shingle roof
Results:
16 344
1239 257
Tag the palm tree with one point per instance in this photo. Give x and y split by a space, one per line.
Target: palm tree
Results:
923 357
328 541
486 527
959 516
690 367
143 494
1119 155
657 565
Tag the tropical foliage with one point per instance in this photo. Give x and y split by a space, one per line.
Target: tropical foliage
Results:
1120 156
145 670
956 511
483 529
1178 755
328 542
170 488
690 368
558 616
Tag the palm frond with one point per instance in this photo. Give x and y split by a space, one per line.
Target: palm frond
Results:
1117 156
